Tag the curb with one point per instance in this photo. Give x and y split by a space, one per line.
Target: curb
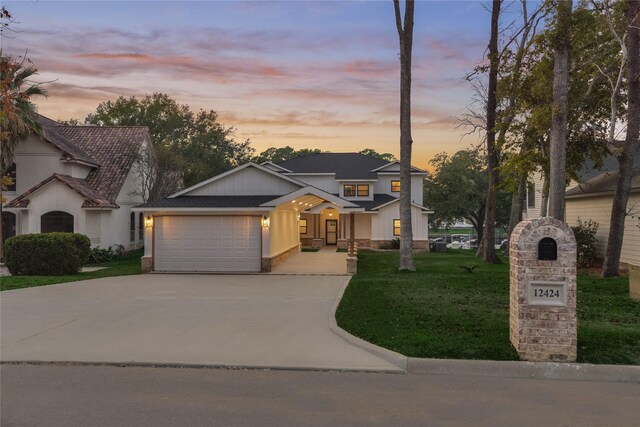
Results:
178 365
532 370
397 359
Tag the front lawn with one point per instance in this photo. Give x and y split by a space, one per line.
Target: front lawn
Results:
120 266
443 311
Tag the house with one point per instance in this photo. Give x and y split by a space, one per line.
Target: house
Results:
593 200
81 179
256 216
591 197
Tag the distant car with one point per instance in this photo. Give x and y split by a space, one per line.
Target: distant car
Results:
473 243
504 244
432 243
457 244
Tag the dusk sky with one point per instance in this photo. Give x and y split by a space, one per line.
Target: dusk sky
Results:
317 74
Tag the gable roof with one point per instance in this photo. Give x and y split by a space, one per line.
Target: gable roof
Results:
115 149
344 165
92 198
234 170
69 150
397 162
601 185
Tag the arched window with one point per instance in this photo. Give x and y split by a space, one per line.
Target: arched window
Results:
56 221
132 226
141 226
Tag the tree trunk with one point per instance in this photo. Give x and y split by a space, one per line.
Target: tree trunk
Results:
487 247
517 204
630 148
406 41
544 202
558 135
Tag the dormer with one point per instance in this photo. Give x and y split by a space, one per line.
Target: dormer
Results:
356 189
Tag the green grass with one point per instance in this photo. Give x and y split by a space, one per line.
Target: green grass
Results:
120 266
442 311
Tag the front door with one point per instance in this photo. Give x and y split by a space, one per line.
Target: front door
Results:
332 232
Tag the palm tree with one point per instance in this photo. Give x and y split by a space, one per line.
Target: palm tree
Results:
19 116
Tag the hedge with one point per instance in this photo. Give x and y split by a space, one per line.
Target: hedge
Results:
47 254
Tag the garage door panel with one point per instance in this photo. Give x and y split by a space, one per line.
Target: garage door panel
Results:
207 243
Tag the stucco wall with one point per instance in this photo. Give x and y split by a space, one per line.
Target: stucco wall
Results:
283 231
55 197
599 209
382 223
248 181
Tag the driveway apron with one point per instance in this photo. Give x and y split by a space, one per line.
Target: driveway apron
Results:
243 320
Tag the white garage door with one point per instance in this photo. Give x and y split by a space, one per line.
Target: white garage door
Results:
207 243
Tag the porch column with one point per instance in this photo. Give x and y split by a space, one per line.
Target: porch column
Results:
352 229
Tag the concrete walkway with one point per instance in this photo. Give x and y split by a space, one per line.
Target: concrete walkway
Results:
214 320
326 261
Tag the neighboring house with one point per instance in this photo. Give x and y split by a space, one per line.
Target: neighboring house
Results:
81 179
254 217
592 198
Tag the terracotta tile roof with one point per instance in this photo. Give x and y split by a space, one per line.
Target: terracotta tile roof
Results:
69 150
113 147
92 198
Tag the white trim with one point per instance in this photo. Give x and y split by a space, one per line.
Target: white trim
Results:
424 209
398 173
356 180
273 164
394 163
232 171
313 191
312 174
175 209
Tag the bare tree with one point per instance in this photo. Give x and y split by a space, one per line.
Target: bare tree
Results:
405 34
627 153
158 176
559 111
487 248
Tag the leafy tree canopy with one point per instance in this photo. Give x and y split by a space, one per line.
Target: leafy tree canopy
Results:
457 189
275 155
201 146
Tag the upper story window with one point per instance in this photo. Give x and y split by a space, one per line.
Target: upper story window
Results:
395 186
11 173
356 190
349 190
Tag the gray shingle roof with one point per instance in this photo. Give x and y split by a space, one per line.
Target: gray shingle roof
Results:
378 200
210 202
344 165
604 183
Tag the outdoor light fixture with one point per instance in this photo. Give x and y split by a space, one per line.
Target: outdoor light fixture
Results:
148 221
265 221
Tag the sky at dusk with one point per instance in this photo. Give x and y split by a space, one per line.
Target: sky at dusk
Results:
316 74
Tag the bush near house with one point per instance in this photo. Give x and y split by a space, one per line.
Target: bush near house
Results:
585 233
99 255
48 254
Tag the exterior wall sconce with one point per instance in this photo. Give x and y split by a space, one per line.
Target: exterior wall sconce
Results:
148 221
265 221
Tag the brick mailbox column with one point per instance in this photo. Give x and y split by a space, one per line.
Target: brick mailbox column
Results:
542 316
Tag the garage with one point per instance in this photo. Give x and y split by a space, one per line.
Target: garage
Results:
207 243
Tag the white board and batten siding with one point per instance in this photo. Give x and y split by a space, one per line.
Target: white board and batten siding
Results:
246 182
207 243
382 223
599 210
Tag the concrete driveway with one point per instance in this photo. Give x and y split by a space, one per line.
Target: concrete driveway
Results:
324 262
243 320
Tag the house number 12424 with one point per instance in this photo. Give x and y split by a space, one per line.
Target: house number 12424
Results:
546 293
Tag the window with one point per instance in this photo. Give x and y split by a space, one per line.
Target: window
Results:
363 190
349 190
11 173
396 227
395 186
303 226
531 195
132 227
140 226
56 221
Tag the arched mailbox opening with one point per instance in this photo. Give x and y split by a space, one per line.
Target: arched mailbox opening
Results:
547 249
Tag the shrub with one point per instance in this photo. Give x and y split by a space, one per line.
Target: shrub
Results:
48 254
391 244
99 255
585 233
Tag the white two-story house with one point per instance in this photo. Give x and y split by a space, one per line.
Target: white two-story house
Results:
255 216
81 179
